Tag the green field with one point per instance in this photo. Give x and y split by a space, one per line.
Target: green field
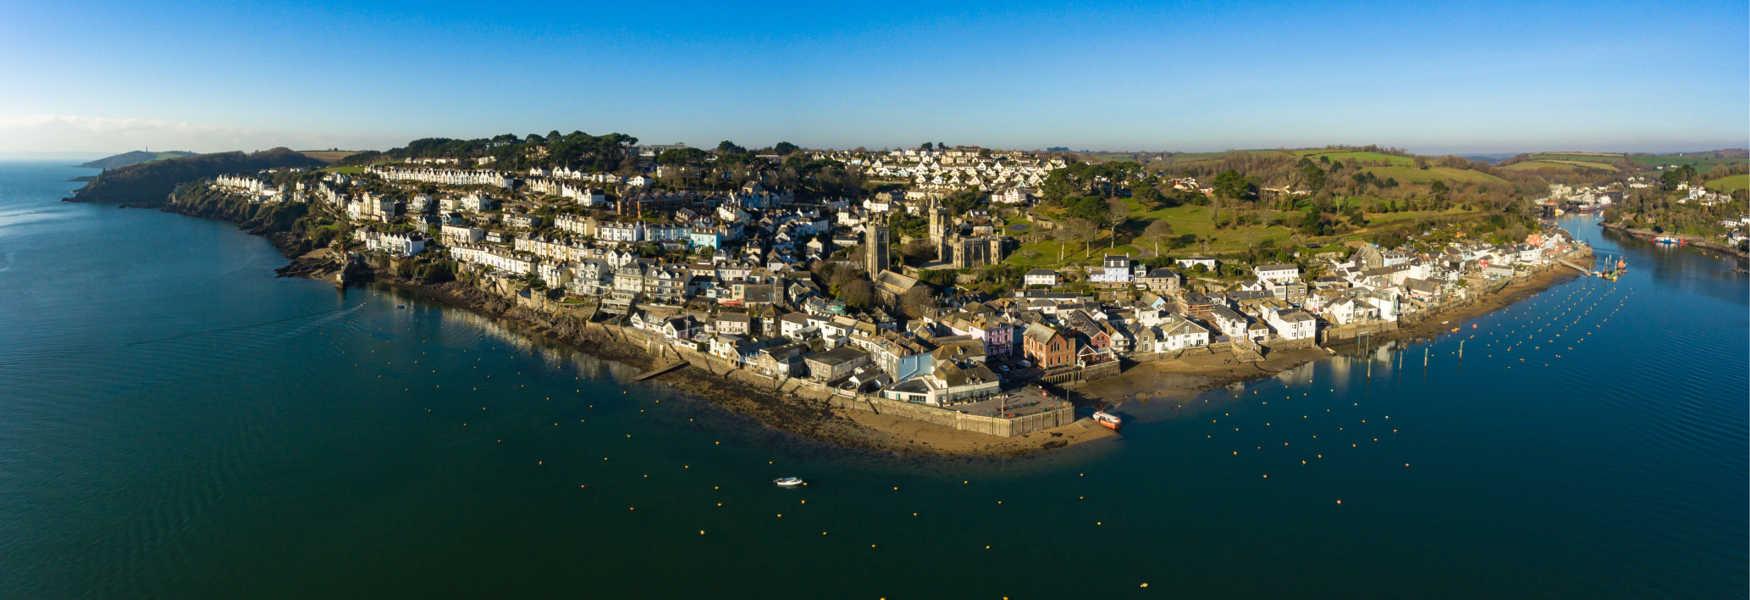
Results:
1402 168
1566 166
328 156
1605 157
1702 161
1185 160
1196 220
1362 157
1410 174
1730 183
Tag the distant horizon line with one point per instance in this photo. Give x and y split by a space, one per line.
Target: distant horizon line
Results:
76 154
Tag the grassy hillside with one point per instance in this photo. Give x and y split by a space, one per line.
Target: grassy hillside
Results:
1702 161
1559 167
1191 229
1449 175
1359 156
1281 168
133 158
1730 183
150 183
328 156
1568 167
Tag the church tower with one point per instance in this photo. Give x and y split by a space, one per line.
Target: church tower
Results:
875 247
939 220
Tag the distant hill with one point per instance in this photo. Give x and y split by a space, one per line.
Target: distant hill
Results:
1489 158
1561 164
1702 161
1594 167
328 156
1348 171
150 183
133 158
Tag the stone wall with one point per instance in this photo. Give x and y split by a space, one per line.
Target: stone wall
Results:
657 346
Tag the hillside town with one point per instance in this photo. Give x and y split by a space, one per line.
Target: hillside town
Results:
807 288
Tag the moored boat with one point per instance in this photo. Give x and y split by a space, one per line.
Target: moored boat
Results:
789 482
1108 420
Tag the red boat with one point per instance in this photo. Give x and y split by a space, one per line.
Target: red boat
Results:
1108 420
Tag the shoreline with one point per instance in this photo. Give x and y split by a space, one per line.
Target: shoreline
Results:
816 420
851 429
1196 373
1688 240
810 419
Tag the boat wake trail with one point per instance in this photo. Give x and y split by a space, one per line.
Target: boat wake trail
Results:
315 320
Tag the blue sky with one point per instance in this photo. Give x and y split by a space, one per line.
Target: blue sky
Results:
1469 77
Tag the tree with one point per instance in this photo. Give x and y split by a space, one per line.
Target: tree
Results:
1231 185
965 200
784 148
1355 216
1091 209
938 278
1312 175
728 147
857 293
1148 195
1314 222
1669 180
1057 187
917 301
918 251
690 157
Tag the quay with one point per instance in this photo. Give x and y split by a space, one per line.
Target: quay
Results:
661 370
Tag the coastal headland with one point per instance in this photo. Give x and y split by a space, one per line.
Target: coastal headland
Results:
807 315
809 411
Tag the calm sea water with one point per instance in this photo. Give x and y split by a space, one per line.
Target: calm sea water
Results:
175 421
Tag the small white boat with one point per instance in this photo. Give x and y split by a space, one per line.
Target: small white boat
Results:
1108 420
789 482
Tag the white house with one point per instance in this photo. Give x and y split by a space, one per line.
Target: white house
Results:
396 244
1176 333
1014 195
1113 270
491 258
1040 277
461 234
1277 274
1208 263
1232 324
620 232
371 208
1291 324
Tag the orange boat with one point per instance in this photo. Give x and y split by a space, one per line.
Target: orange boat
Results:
1108 420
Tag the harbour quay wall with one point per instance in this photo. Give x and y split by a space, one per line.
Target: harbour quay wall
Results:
840 400
1347 333
634 341
1061 415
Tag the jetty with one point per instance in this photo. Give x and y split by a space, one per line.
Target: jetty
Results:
1564 262
660 370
